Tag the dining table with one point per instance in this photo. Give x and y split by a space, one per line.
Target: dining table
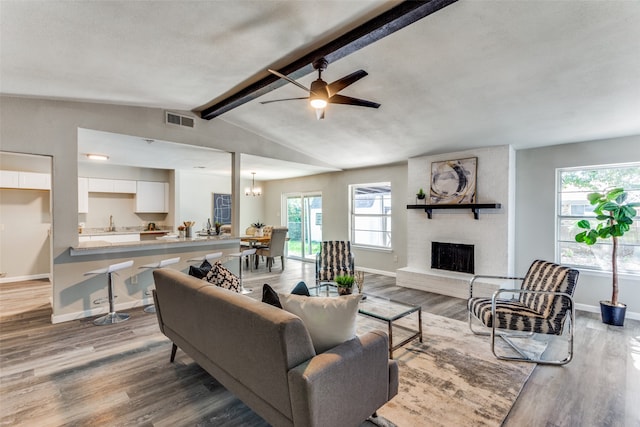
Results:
255 242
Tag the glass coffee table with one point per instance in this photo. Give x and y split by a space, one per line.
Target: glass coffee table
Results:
385 310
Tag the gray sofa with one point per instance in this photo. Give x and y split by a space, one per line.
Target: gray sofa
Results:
265 357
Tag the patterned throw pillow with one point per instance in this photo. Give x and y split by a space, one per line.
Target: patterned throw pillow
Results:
222 277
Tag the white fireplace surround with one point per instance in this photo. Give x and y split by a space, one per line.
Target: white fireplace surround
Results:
492 234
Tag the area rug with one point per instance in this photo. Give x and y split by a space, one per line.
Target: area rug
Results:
451 378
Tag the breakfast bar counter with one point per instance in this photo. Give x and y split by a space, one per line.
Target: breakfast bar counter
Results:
97 247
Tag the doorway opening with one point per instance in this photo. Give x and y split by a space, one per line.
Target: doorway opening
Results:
304 220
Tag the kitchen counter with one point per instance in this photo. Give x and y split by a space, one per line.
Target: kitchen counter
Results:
110 233
95 247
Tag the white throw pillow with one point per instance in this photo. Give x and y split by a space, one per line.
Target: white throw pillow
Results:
329 320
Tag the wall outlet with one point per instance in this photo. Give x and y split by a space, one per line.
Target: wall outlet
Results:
134 279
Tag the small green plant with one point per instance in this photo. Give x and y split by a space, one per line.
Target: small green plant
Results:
614 218
345 281
257 224
420 194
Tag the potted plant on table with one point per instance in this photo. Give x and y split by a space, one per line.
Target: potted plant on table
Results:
614 218
345 284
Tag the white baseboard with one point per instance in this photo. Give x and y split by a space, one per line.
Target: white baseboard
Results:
99 310
594 309
25 278
380 272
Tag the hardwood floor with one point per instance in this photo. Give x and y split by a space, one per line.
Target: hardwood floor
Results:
75 373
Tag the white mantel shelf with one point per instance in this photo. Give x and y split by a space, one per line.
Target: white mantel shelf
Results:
474 207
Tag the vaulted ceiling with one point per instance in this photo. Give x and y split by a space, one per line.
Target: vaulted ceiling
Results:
474 74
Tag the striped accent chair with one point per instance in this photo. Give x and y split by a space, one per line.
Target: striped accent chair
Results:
541 306
334 259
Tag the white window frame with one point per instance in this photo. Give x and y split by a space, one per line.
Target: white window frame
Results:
603 263
385 216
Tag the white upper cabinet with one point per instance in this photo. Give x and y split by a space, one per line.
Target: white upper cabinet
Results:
101 185
152 197
36 181
25 180
9 179
83 195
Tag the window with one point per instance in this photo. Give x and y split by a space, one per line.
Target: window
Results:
573 186
371 215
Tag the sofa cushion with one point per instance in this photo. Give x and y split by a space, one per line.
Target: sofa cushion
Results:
300 289
329 320
200 272
270 296
220 276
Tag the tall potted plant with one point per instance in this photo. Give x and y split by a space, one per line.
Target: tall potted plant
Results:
613 219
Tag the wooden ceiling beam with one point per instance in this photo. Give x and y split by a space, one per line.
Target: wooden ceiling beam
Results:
396 18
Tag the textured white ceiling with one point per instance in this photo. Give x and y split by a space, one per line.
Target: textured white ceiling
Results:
477 73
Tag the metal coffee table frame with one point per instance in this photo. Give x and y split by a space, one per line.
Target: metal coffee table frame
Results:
386 310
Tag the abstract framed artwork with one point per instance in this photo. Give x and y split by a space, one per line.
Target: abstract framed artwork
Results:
222 208
453 182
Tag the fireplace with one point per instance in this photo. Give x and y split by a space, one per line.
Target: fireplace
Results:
452 257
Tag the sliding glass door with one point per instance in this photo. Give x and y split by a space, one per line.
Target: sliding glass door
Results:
304 219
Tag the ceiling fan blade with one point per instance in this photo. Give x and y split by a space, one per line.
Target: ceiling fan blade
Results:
341 99
340 84
282 76
319 113
284 99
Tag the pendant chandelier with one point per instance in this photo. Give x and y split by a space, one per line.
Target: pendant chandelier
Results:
253 190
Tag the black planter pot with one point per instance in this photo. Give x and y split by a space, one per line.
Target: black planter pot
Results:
612 314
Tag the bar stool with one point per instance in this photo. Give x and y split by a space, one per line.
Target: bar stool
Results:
159 264
246 253
111 317
207 257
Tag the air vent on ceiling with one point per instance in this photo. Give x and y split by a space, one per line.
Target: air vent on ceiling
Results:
179 120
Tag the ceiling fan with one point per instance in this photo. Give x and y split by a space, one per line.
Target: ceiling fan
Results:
322 93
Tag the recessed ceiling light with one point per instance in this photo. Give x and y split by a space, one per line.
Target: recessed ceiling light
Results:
97 157
199 167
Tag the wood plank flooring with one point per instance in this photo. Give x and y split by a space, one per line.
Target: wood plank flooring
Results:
75 373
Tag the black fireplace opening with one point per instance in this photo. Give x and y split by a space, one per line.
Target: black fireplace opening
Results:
452 257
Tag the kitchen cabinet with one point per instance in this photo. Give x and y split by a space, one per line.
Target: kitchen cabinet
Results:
83 195
152 197
9 179
35 181
101 185
25 180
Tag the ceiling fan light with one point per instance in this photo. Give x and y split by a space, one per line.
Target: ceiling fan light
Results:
318 103
97 157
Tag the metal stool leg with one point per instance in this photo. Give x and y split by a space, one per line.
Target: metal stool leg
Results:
111 317
243 290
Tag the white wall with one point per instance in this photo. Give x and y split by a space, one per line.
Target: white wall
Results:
196 196
335 209
50 128
25 223
536 207
491 234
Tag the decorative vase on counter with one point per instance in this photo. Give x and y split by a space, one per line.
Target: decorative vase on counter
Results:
188 232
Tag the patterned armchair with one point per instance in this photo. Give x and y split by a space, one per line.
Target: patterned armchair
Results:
334 259
541 306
